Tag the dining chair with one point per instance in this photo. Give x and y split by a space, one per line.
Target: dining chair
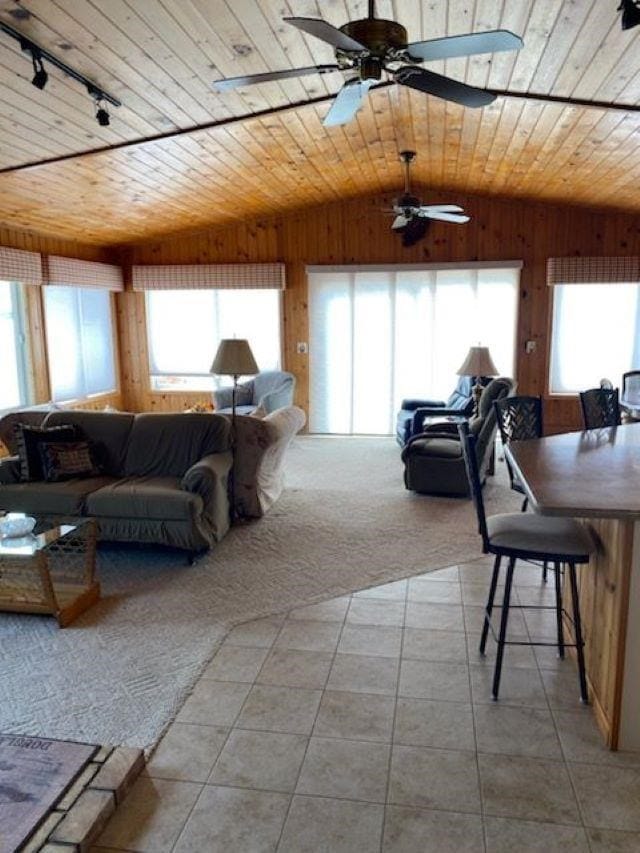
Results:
600 408
528 537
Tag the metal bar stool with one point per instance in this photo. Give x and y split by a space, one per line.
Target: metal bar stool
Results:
528 537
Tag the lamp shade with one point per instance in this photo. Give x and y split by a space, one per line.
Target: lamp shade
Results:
478 363
234 358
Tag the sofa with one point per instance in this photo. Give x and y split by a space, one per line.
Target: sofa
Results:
268 391
260 446
433 460
163 478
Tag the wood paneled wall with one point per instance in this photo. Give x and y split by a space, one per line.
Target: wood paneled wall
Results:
357 231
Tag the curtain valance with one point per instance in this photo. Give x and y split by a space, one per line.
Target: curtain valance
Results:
207 276
593 270
65 272
20 265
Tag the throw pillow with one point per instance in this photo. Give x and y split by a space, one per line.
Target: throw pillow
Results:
29 437
67 459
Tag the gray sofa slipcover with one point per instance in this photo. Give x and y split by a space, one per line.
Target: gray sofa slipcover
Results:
269 390
259 456
164 477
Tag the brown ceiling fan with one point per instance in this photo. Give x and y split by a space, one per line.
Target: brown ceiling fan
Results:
371 46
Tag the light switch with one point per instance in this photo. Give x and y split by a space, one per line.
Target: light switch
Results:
530 346
302 348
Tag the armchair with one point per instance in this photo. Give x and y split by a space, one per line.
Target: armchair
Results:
271 390
412 413
434 461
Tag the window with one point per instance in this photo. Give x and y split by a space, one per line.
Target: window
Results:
79 342
595 335
185 327
377 337
14 386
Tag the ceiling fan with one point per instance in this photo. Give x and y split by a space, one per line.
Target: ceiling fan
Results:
372 45
411 216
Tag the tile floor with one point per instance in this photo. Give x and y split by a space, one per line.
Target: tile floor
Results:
365 723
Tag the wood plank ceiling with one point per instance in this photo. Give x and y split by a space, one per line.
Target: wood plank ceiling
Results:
161 56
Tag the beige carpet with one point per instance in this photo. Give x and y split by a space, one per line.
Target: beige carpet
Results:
121 672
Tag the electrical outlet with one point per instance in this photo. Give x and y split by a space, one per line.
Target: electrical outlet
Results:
302 348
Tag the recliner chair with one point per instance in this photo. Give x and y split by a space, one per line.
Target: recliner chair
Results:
413 412
270 390
434 460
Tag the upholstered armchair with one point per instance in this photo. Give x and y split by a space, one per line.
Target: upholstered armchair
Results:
433 459
269 390
413 413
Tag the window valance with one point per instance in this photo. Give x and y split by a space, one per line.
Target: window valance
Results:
64 272
207 276
593 270
20 265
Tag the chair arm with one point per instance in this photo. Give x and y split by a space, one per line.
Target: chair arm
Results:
276 399
209 478
411 404
425 412
223 398
9 470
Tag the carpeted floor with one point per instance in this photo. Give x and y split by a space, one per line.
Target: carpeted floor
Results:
121 672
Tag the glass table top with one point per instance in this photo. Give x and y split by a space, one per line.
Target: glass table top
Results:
48 529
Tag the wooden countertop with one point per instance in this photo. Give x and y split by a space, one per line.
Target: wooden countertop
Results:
589 474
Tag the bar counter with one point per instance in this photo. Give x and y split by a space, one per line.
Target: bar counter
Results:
595 476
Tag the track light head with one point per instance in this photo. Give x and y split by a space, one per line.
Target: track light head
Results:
102 116
630 14
40 76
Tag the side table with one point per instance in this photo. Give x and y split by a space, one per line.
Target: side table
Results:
51 571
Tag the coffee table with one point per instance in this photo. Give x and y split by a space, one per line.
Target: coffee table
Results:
51 571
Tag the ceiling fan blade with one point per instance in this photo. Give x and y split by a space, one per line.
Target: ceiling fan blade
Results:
444 217
324 31
443 87
399 222
347 103
442 208
467 45
269 76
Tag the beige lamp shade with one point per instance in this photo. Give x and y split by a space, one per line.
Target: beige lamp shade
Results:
234 358
478 363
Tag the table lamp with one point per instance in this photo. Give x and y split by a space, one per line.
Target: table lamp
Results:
234 358
477 363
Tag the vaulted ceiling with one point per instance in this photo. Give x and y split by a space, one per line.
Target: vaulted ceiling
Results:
217 161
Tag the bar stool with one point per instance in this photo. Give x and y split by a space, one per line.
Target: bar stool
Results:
528 537
600 408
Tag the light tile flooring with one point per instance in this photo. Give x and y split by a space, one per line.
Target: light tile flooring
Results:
365 723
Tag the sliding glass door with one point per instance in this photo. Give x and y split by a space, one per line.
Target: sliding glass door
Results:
377 336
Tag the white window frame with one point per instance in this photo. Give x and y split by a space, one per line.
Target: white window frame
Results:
21 343
114 349
551 392
212 382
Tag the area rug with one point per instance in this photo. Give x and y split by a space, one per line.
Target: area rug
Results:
119 674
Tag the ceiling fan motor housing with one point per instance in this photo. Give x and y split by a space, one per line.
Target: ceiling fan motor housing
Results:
377 35
408 201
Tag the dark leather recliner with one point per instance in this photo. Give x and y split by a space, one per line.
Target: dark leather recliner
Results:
434 461
413 412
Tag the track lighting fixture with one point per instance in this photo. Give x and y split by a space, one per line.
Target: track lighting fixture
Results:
630 14
40 76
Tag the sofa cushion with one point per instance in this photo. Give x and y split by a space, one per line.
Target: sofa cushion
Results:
169 444
30 438
109 432
144 497
448 448
64 498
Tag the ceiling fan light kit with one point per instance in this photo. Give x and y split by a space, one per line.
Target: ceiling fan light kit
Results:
372 47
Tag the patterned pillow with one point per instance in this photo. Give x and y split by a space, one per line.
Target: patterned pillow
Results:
67 459
28 439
